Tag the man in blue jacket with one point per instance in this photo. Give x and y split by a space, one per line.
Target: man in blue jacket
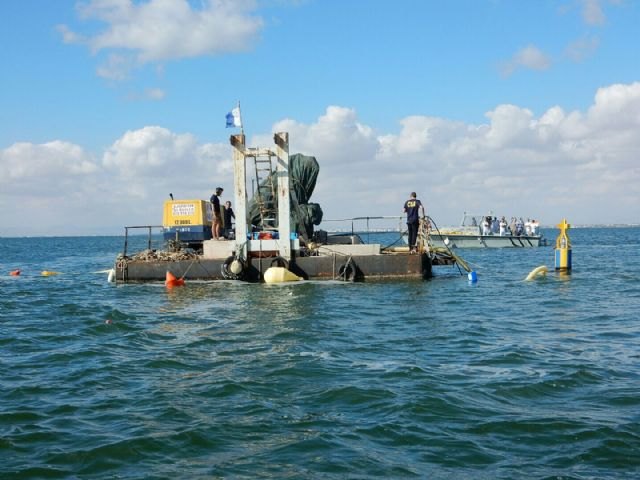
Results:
413 207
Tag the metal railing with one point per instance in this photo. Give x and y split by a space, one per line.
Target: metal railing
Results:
149 235
367 227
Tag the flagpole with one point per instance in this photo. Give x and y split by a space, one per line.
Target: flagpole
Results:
241 122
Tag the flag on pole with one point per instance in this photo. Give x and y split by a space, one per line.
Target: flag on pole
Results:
233 118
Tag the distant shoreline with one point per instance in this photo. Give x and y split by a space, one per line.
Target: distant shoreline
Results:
89 235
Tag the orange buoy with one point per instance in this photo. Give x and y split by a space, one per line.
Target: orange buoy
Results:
172 281
14 273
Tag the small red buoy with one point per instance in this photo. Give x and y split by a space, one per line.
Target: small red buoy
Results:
14 273
172 281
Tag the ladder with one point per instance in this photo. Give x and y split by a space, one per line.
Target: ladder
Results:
265 194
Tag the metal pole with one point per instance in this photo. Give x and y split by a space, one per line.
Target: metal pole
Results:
281 140
126 240
239 173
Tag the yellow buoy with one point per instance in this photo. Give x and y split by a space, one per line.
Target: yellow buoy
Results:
563 247
280 275
540 271
49 273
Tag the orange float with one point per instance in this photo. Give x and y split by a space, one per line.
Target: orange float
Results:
14 273
172 281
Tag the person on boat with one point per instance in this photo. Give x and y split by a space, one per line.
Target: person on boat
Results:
512 226
495 226
534 227
486 225
228 215
527 226
217 214
503 226
519 227
413 207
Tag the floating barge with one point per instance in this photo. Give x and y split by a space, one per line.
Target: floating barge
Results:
272 242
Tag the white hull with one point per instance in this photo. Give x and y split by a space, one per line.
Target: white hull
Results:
486 241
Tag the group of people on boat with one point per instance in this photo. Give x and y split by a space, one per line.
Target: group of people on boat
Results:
221 227
516 227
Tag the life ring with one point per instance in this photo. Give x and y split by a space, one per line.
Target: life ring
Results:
233 268
537 272
348 271
279 262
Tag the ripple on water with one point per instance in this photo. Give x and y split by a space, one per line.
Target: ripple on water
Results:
439 379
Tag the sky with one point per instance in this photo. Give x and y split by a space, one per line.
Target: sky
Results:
517 107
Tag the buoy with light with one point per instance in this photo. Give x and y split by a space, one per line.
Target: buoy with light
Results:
172 281
563 247
280 275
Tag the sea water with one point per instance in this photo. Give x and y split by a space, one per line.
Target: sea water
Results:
445 378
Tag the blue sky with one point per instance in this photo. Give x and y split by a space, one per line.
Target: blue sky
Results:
527 108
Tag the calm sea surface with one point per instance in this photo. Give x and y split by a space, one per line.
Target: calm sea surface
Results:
404 379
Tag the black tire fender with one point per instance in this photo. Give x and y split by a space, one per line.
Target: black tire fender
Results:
347 272
279 262
226 271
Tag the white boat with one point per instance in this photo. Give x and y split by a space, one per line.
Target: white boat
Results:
470 234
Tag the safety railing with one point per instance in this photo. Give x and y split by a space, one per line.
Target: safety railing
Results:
150 234
365 225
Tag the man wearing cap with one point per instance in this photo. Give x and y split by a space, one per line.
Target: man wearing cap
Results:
217 214
413 207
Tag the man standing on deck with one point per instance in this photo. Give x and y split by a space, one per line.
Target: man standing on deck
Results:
412 208
217 214
228 215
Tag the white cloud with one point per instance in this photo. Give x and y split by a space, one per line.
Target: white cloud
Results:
617 108
28 169
510 126
337 136
530 57
68 36
147 150
148 94
592 12
154 93
161 30
579 165
117 67
582 48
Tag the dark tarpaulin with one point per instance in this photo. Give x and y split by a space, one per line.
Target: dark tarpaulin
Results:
303 173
